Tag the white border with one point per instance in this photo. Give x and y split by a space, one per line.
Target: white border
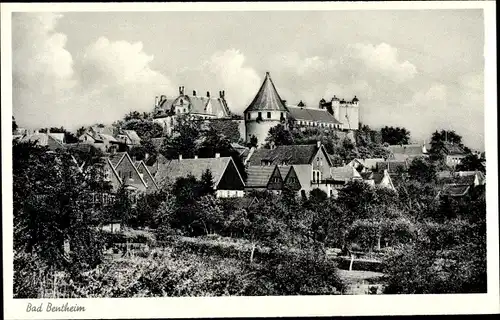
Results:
261 306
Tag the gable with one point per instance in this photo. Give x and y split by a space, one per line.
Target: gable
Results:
129 175
230 179
292 180
275 180
146 175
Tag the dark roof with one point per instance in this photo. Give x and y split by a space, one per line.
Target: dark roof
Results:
258 176
267 98
455 190
312 114
286 154
392 166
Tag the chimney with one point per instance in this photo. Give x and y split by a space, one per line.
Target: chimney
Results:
146 156
194 93
318 144
217 155
196 157
180 157
156 101
208 94
36 131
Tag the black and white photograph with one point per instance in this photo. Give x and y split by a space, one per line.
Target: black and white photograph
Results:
224 151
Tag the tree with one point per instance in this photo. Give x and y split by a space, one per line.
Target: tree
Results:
54 203
438 141
253 142
227 129
422 170
14 124
471 163
394 136
184 140
145 128
207 183
279 135
87 157
122 209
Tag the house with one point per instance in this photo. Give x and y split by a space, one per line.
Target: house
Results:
365 165
406 152
101 138
378 179
53 142
128 137
265 178
226 177
453 153
340 176
129 175
459 183
311 164
242 150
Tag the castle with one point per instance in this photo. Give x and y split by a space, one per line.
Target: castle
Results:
267 110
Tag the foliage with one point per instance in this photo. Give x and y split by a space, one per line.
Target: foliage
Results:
14 124
184 140
279 135
471 163
69 137
422 170
87 157
53 204
227 129
145 128
395 135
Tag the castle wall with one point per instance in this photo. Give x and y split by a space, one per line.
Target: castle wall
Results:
260 129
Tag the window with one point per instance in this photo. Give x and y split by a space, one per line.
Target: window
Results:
269 115
248 116
120 174
184 110
130 174
260 114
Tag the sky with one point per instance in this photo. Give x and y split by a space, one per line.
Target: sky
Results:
419 69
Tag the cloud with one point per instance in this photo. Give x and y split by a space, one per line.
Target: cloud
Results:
227 71
384 59
51 88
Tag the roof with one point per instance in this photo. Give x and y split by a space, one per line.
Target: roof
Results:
108 130
203 105
411 150
392 166
267 98
132 135
258 176
303 172
454 149
455 190
285 154
461 177
345 173
58 136
43 139
312 114
174 169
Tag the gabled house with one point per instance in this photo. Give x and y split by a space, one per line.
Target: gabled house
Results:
101 138
313 159
228 181
146 174
129 175
340 176
298 178
265 178
453 153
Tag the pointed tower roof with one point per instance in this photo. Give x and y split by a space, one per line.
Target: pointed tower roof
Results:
267 98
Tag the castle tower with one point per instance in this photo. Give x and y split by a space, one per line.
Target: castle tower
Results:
267 110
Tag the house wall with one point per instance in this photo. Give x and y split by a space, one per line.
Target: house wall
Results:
229 193
111 177
453 160
320 163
